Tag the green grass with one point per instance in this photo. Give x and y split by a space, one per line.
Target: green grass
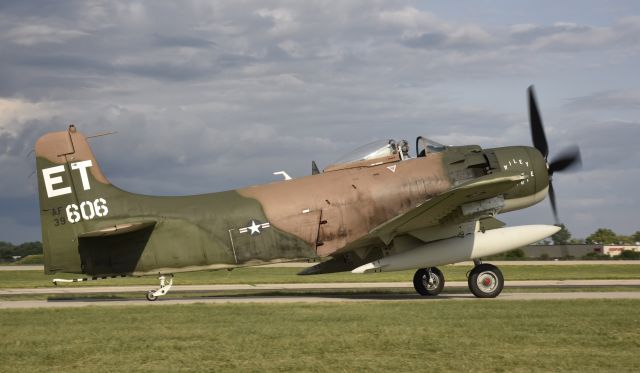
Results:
257 275
507 336
30 260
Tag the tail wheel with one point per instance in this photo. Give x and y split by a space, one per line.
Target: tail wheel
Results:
486 281
151 296
428 281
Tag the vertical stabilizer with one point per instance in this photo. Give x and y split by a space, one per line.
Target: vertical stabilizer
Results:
72 191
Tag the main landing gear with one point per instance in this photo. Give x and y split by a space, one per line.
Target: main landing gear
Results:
484 280
428 281
164 288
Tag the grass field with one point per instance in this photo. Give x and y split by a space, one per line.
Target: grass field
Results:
257 275
506 336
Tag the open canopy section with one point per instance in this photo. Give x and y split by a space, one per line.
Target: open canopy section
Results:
373 150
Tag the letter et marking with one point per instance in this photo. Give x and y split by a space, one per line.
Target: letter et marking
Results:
50 181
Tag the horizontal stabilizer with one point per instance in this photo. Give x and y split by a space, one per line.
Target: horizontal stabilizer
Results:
119 229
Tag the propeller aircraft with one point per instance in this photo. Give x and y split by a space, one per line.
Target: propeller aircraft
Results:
377 209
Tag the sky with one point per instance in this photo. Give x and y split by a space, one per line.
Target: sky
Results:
211 95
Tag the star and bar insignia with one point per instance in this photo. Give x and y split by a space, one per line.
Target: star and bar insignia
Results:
254 227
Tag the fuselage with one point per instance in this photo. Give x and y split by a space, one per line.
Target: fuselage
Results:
308 217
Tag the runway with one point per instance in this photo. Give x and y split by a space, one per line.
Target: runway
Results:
306 298
74 289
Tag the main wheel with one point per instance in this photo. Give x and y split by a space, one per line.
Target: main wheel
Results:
486 281
150 296
428 281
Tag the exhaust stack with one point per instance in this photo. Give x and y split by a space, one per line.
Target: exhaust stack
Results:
458 249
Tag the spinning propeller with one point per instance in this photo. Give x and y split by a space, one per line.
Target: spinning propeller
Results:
567 159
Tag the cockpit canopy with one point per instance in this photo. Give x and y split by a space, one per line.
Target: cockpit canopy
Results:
384 151
373 150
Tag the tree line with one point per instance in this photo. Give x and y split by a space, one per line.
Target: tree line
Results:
9 251
602 236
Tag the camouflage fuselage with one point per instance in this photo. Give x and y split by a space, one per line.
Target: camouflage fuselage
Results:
99 229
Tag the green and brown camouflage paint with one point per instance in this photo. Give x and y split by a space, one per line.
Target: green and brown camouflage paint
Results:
304 218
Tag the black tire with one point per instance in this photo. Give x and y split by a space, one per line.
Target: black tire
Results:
486 281
150 296
422 285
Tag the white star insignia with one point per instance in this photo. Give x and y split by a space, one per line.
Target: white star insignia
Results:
254 228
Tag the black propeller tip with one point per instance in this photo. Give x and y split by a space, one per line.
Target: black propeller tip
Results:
569 158
552 199
535 122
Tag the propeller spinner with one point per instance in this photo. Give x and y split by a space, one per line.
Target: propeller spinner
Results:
567 159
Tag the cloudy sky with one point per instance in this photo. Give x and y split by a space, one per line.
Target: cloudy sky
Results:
208 96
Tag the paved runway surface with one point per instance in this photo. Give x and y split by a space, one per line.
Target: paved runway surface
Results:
313 299
75 289
82 302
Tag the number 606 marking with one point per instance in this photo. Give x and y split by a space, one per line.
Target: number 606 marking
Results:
87 210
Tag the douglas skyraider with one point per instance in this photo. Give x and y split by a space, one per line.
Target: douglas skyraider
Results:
380 208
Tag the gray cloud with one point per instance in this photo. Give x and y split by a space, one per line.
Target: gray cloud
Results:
209 96
607 100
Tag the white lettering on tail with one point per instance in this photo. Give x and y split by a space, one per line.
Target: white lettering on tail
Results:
50 180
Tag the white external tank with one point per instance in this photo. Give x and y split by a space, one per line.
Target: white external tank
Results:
458 249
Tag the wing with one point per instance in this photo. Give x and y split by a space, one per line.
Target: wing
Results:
472 200
453 206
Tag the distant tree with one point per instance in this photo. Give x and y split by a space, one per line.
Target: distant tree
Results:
629 255
604 236
562 237
28 248
624 240
576 241
514 254
595 256
636 236
8 250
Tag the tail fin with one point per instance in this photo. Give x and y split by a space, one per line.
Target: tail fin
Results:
73 192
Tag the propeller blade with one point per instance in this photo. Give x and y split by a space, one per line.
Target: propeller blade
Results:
552 199
569 158
535 122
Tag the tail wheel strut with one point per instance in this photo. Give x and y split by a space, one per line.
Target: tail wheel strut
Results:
164 288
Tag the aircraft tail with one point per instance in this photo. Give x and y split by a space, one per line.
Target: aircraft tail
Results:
74 197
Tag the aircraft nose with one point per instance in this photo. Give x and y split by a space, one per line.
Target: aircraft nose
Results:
539 172
528 162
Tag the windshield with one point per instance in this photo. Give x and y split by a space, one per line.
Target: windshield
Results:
434 147
425 145
376 149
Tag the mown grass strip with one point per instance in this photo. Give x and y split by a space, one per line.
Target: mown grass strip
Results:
593 335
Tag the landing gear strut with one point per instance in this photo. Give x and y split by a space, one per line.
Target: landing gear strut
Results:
164 288
428 281
485 281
